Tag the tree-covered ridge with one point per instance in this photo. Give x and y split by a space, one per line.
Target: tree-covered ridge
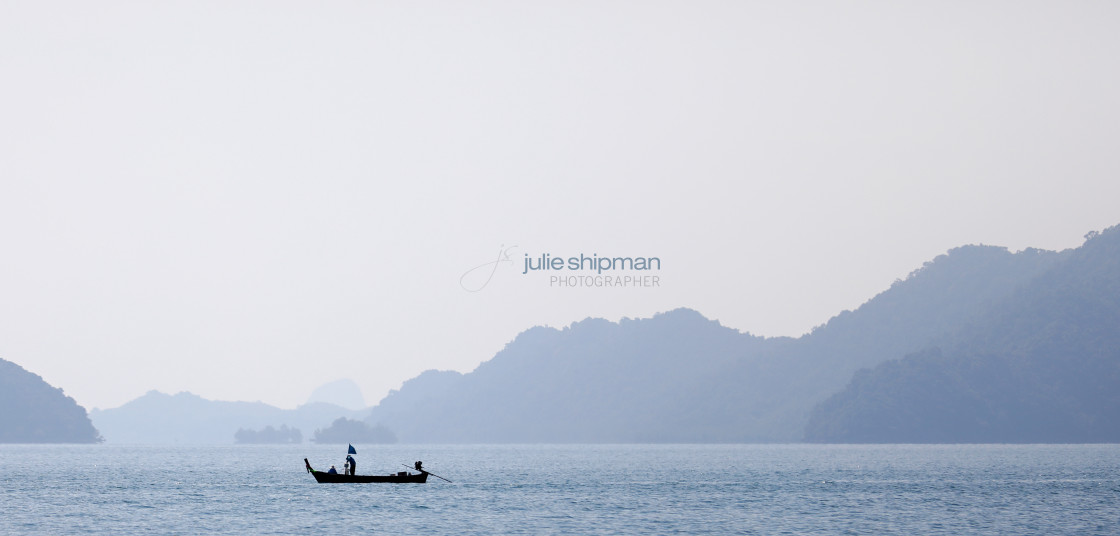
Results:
681 377
268 435
32 411
344 430
1040 365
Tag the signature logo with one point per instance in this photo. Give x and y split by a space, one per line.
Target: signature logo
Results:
475 274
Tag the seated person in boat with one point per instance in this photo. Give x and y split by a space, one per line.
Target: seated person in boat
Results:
332 471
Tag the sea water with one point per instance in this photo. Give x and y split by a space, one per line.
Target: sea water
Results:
565 489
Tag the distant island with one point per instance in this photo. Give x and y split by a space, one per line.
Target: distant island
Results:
32 411
345 430
186 418
268 436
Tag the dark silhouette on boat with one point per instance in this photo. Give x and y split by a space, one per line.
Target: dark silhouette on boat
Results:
403 477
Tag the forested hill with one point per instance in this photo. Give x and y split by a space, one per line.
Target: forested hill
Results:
594 381
1040 365
32 411
680 377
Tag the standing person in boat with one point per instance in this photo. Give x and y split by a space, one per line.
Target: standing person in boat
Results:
351 463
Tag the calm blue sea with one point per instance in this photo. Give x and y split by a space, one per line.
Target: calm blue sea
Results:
566 489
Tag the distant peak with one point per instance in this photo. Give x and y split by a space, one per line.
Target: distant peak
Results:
342 392
681 313
677 315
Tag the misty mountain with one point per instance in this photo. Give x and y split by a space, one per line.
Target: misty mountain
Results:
592 381
187 418
679 377
344 393
1041 365
931 304
32 411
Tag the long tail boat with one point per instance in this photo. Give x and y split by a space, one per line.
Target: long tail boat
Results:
403 477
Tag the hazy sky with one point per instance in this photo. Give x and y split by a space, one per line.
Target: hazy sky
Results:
246 200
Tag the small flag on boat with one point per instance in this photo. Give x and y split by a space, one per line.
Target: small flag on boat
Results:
351 451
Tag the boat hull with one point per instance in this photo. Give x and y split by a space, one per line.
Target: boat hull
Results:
410 478
402 477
